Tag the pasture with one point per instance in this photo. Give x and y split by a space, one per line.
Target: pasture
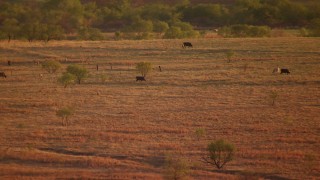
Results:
125 129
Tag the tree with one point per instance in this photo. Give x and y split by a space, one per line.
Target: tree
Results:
205 14
220 153
10 27
79 72
144 68
51 31
66 79
315 28
64 113
51 66
157 12
69 14
140 25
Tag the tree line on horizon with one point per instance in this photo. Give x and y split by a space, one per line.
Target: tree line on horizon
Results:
89 19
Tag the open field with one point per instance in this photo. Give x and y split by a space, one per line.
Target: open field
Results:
123 129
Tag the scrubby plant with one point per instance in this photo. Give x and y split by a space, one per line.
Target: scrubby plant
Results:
144 68
179 30
200 132
102 78
64 113
67 79
79 72
92 34
176 168
220 153
51 66
229 55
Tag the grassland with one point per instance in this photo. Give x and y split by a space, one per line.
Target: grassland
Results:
123 129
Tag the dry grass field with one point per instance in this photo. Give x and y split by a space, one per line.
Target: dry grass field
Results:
123 129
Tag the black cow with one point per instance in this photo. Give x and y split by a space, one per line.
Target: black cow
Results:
140 78
284 71
187 44
2 74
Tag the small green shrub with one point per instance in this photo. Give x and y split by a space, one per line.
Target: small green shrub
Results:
176 168
220 153
51 66
229 55
144 68
181 30
67 79
92 34
64 113
200 132
79 72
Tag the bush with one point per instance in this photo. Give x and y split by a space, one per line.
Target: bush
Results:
176 168
200 132
220 153
144 68
314 29
244 31
64 113
229 55
160 26
181 30
51 66
66 79
79 72
92 34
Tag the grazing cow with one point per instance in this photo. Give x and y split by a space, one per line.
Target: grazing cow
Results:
140 78
284 71
2 74
187 44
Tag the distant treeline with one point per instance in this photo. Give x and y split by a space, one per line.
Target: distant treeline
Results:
89 19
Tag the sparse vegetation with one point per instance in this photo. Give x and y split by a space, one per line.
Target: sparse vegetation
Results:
65 113
144 68
229 55
67 79
176 168
51 66
200 132
79 72
121 130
